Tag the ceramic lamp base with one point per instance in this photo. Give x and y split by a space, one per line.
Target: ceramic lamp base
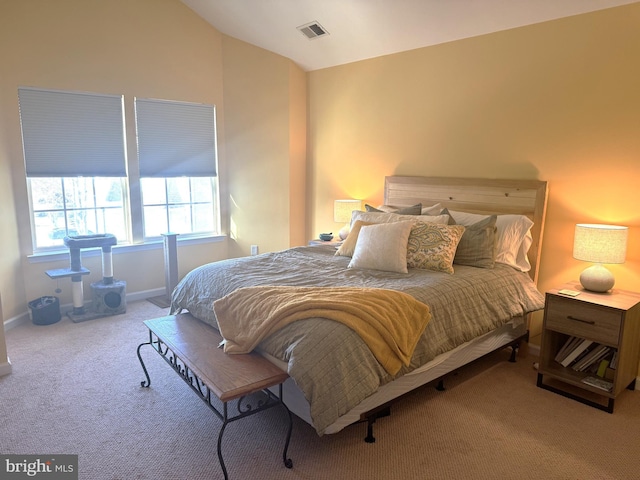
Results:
344 231
597 279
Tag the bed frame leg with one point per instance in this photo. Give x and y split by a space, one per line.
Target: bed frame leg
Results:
371 419
514 352
515 346
440 387
370 438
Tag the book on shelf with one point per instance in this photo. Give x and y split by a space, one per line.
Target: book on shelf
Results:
595 354
598 383
602 368
593 368
614 360
583 355
609 374
573 354
605 356
569 345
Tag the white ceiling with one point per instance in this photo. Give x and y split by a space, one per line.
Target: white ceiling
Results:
360 29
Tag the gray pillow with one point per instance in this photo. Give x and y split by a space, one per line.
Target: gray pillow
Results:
477 247
413 210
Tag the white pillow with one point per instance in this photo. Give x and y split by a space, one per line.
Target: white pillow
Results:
382 247
514 242
381 217
349 245
513 237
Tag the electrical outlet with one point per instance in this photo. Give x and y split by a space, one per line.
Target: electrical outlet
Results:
254 249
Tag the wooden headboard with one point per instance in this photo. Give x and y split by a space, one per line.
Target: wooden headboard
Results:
475 195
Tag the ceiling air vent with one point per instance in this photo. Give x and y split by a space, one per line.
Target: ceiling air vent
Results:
313 30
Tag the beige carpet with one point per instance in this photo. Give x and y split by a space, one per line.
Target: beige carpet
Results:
75 388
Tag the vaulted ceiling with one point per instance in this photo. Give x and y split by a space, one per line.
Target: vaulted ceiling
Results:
361 29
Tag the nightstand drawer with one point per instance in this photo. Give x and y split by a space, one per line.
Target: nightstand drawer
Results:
583 320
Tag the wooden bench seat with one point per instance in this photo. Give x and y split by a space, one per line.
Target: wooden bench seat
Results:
191 348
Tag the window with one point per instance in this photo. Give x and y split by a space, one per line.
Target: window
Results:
75 206
183 204
74 147
75 161
177 155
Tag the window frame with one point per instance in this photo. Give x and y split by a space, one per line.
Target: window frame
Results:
65 209
215 205
133 218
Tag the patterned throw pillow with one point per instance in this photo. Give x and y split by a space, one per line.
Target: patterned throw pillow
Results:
432 246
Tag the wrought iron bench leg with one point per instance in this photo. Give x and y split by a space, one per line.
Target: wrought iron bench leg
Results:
287 461
225 421
144 383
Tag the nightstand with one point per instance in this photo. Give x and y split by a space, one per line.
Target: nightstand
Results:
317 241
609 319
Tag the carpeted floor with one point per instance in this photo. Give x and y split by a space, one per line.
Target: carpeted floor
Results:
75 389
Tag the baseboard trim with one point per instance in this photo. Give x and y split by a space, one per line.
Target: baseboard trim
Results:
131 297
5 368
134 297
534 350
17 320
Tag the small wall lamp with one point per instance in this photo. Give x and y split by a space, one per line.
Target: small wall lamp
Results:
342 214
599 244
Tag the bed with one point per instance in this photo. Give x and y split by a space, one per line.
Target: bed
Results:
475 308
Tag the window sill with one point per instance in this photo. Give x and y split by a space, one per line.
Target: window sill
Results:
55 255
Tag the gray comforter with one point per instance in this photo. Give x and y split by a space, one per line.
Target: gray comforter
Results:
329 362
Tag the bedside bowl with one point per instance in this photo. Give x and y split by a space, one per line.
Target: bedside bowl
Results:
326 237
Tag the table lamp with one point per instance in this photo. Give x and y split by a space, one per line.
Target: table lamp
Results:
342 214
599 244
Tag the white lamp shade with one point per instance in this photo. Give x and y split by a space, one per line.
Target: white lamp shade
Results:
342 209
600 243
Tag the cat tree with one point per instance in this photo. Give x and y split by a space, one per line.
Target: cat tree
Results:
109 295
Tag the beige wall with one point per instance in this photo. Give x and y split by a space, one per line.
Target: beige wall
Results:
557 101
298 156
157 49
265 110
11 276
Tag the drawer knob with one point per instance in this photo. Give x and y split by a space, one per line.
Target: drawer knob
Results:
590 322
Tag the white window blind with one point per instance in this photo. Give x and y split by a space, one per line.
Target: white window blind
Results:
175 138
72 133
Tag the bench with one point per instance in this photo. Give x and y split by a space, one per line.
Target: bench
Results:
191 348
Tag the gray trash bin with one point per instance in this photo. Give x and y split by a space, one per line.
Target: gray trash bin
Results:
45 310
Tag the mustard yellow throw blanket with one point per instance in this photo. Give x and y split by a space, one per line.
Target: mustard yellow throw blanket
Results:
389 322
